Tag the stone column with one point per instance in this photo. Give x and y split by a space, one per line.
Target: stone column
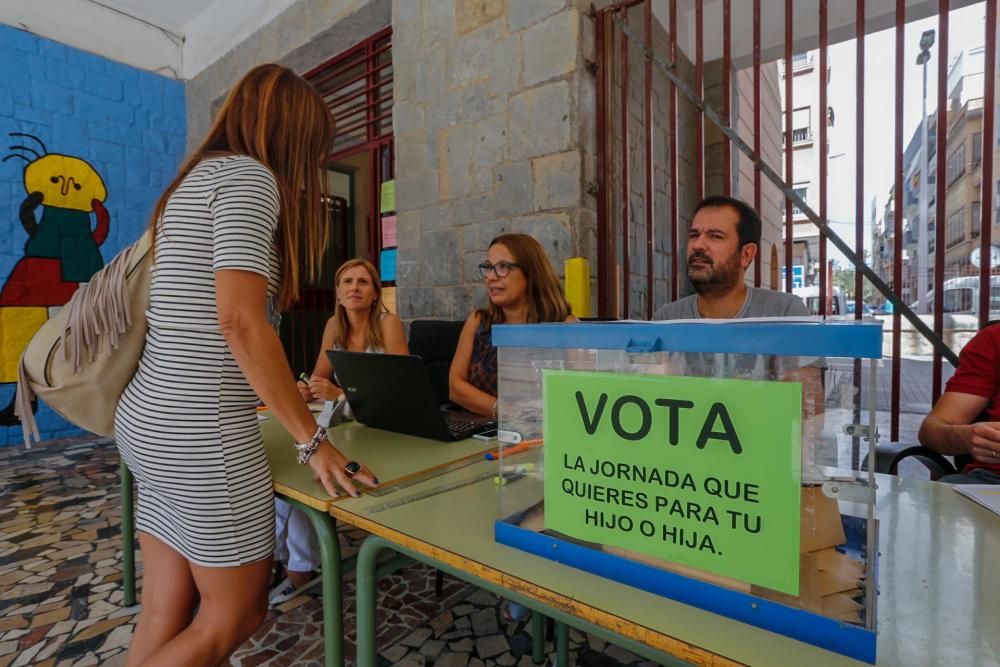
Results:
490 98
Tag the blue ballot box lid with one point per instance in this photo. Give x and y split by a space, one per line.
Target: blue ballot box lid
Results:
773 336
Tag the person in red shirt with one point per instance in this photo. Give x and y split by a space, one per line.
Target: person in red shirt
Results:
951 428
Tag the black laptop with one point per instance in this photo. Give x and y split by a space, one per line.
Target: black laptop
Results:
394 392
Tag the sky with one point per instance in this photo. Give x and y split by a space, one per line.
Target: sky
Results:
967 26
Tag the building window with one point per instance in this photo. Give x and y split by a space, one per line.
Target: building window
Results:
956 164
955 231
801 125
977 148
801 60
976 220
802 190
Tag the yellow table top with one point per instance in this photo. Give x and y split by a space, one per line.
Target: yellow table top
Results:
939 601
389 455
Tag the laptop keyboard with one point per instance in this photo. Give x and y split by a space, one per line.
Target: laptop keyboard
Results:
463 428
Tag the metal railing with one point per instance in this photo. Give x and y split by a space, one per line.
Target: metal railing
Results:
617 29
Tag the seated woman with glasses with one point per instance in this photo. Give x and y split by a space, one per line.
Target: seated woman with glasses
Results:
522 288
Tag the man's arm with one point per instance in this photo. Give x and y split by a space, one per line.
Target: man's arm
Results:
948 429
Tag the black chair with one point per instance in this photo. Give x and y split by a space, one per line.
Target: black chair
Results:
435 341
935 462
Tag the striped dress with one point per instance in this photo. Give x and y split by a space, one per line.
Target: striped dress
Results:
186 425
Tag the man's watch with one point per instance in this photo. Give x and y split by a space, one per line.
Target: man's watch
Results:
307 449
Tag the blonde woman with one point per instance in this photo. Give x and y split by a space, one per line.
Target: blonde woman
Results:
241 226
360 323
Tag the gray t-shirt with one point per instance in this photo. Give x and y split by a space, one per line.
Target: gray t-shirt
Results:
759 303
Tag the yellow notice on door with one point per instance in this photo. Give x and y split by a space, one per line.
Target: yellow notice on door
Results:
388 200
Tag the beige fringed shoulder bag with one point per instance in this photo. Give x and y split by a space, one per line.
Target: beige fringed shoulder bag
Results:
80 361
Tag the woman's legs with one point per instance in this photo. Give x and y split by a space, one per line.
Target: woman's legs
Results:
233 604
168 599
303 548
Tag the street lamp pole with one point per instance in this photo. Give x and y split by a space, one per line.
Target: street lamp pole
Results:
926 41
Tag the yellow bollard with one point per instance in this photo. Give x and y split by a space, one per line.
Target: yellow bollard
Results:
577 286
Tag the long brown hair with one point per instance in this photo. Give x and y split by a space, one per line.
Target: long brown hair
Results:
341 325
275 117
546 302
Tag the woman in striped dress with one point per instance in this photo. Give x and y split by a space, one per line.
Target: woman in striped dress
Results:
231 233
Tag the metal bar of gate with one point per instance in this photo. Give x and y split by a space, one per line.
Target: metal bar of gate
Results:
859 208
897 235
824 285
789 161
604 283
986 205
944 9
699 83
626 269
674 134
756 129
727 67
859 149
787 191
648 107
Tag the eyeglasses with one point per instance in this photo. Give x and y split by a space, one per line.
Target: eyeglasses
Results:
501 268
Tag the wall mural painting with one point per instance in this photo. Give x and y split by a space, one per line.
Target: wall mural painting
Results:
62 249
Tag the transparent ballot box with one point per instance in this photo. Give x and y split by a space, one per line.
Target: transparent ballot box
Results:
714 463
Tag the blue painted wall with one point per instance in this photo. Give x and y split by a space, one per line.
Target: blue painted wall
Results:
128 124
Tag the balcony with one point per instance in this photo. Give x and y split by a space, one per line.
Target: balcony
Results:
800 136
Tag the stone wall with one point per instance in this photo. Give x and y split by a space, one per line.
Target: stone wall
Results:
487 121
103 140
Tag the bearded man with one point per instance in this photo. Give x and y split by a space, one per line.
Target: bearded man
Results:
723 241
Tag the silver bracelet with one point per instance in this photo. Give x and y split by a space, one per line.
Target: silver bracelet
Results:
307 449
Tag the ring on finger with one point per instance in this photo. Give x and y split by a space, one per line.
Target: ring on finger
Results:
352 468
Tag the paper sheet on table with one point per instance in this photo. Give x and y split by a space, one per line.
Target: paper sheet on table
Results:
987 495
389 231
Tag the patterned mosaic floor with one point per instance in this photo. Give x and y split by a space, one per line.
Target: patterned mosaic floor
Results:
60 585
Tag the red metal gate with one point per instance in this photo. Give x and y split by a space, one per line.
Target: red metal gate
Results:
627 30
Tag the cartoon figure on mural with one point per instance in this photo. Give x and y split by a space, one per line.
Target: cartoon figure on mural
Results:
61 252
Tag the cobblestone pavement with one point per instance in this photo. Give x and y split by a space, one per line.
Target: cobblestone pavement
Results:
61 595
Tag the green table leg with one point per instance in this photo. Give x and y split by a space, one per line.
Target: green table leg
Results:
562 644
333 578
367 582
367 578
128 534
537 637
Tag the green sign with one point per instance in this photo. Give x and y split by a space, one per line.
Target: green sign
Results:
703 472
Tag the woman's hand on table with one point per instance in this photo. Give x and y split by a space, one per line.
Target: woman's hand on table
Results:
328 464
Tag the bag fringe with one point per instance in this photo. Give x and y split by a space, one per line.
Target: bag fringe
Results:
98 308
